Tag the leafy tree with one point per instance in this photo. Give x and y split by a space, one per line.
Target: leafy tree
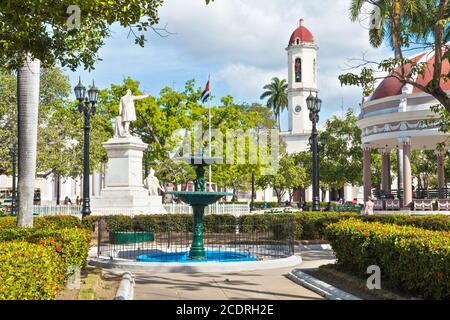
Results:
340 155
32 32
60 151
276 92
240 120
407 25
286 180
424 168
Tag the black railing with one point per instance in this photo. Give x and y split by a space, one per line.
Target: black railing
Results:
443 193
274 241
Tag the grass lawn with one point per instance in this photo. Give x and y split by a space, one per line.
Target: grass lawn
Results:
94 286
355 285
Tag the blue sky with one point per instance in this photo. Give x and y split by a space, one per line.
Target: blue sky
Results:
241 44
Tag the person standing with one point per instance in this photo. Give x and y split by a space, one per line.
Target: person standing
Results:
368 207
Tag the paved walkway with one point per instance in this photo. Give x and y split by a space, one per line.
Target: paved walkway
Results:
263 284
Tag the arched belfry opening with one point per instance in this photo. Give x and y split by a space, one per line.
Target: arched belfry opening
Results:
298 70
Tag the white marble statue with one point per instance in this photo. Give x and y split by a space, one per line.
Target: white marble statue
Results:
151 183
127 114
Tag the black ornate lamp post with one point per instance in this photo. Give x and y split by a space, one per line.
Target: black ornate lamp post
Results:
88 107
252 203
314 105
13 151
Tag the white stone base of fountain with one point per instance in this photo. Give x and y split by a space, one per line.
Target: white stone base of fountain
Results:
115 263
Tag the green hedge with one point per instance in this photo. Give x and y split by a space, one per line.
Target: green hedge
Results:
429 222
29 271
57 222
306 225
411 259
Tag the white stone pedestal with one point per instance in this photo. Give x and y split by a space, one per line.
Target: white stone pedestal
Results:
124 192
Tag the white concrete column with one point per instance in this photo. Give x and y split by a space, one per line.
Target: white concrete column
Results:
407 177
348 192
386 170
367 172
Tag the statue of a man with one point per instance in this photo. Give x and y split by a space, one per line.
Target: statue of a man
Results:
151 183
127 113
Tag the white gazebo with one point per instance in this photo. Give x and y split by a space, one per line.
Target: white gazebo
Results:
398 117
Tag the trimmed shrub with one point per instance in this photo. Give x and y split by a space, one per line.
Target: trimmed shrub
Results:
29 272
429 222
219 223
89 222
72 244
279 224
56 222
411 259
314 223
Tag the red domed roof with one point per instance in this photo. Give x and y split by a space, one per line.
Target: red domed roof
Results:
301 33
391 86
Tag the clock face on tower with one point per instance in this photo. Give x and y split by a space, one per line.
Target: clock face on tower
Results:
298 109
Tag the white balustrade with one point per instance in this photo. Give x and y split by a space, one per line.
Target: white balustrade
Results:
171 208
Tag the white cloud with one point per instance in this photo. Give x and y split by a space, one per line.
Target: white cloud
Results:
247 80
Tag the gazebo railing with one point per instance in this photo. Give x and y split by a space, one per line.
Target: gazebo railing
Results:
443 193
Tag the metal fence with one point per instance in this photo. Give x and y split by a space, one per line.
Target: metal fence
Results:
275 241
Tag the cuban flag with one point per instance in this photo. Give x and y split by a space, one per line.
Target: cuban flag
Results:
207 92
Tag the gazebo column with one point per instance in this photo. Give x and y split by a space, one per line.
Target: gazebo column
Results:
386 170
367 172
441 173
407 177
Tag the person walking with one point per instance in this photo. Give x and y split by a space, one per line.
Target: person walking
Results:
368 207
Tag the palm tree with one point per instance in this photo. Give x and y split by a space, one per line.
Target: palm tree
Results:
28 107
396 16
276 91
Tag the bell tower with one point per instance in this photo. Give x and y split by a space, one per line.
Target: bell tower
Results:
302 77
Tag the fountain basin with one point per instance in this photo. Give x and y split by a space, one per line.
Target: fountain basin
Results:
211 256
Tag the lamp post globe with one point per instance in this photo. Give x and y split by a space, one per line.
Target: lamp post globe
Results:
87 106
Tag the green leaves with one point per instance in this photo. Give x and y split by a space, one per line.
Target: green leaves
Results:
40 28
340 152
60 137
412 259
276 92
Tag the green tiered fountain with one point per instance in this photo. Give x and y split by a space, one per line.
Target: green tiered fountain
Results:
199 200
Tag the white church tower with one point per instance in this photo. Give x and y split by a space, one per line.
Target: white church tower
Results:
302 79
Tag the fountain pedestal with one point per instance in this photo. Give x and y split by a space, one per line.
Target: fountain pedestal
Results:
197 251
124 191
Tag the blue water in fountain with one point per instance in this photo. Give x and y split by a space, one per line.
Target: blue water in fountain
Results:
212 256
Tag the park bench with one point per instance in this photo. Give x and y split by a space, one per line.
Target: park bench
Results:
392 204
378 205
443 204
423 205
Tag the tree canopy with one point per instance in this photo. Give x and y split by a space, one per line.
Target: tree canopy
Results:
60 135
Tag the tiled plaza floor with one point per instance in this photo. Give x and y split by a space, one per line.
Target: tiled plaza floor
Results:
263 284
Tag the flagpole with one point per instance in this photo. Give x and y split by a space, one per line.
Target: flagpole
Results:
210 147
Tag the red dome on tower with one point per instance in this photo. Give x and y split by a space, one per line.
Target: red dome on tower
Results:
302 34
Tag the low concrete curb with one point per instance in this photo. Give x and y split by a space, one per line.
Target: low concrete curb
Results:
126 287
319 287
314 247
